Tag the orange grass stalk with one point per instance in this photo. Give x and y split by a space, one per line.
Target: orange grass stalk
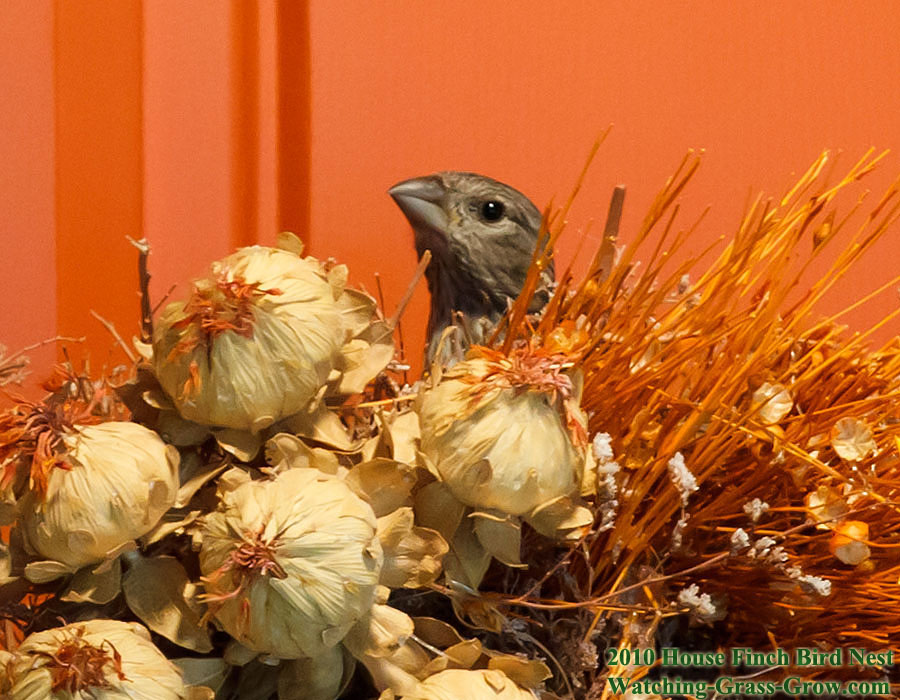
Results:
672 366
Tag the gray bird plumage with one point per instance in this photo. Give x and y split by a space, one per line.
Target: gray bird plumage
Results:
481 234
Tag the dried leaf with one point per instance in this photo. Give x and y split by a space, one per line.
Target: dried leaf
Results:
290 242
322 426
177 524
467 561
412 555
320 678
402 429
561 519
501 536
208 672
285 451
179 431
529 673
385 484
463 654
44 571
5 564
361 362
242 444
159 592
87 586
436 508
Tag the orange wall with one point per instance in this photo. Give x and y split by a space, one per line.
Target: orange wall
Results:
206 125
27 242
520 91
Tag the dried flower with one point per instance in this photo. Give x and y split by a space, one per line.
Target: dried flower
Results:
472 685
815 584
112 484
756 509
739 540
98 659
602 447
257 339
826 506
505 433
682 477
772 402
290 563
852 439
700 605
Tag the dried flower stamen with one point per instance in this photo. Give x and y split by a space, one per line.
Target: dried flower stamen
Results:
524 368
31 433
78 665
226 305
253 558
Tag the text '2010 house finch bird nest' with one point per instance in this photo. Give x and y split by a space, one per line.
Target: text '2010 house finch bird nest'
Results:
632 461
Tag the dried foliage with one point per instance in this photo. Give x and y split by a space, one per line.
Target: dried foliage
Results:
650 461
755 399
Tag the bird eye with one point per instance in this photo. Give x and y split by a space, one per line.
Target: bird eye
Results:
492 210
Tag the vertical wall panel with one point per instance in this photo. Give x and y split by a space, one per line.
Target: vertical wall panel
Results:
99 169
267 119
294 118
187 115
245 66
27 240
122 118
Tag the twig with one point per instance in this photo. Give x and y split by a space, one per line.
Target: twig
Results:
143 247
399 327
607 253
407 295
115 334
165 298
383 402
12 368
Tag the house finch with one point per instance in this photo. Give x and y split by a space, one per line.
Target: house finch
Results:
481 234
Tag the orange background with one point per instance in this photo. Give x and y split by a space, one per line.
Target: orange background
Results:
205 126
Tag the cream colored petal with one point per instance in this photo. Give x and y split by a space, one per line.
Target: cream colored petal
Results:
561 519
500 535
412 555
387 485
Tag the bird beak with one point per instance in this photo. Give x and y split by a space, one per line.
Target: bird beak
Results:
421 201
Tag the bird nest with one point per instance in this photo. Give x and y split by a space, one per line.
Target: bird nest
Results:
669 462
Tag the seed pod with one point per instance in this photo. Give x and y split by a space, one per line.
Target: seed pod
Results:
291 563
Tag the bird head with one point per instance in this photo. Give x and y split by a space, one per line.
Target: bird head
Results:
481 234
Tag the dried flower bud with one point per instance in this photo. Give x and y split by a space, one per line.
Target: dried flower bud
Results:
112 483
506 432
290 563
472 685
98 659
256 340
